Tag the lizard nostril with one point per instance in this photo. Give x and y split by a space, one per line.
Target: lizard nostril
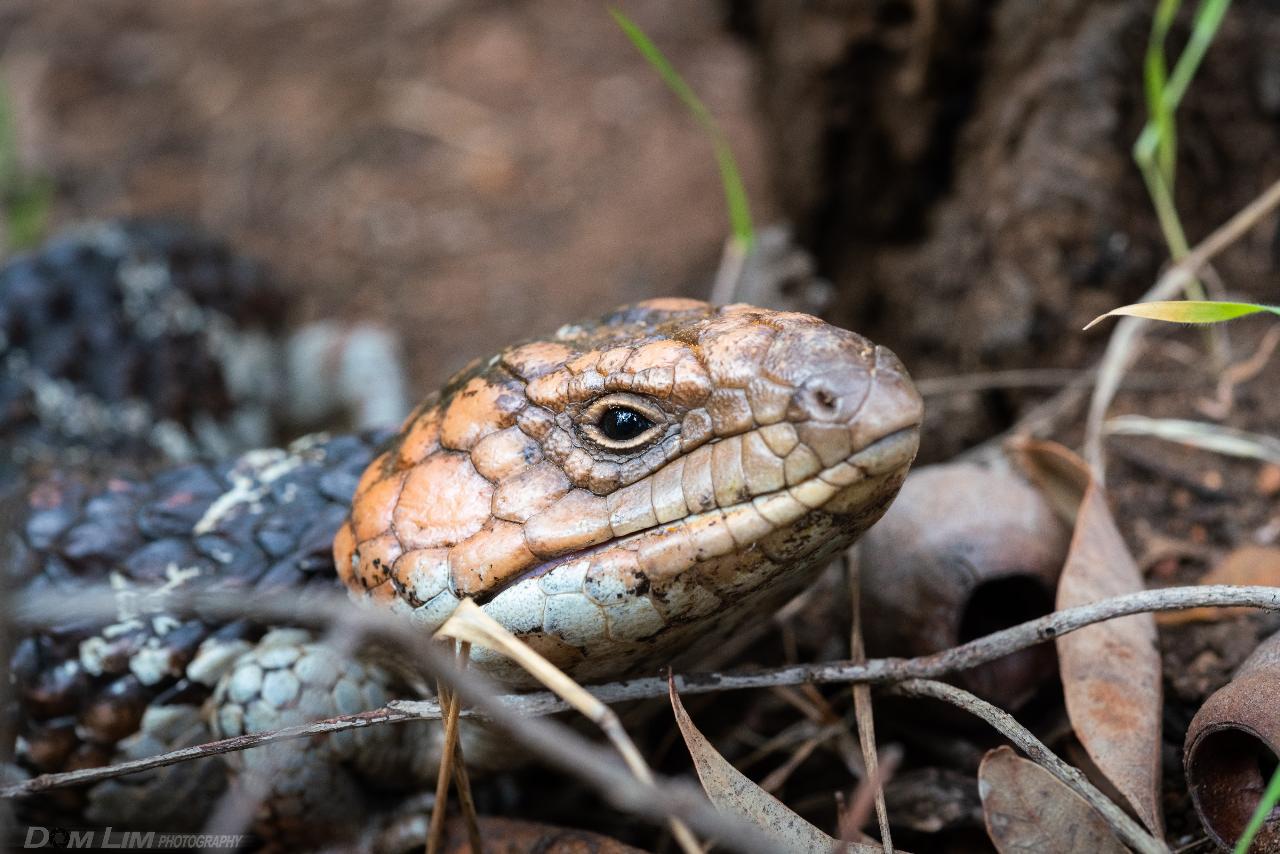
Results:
816 399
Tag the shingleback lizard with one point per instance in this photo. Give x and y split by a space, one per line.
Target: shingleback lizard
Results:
619 494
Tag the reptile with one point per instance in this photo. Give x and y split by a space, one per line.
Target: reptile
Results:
620 495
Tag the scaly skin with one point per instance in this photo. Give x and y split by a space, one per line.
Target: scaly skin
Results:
776 439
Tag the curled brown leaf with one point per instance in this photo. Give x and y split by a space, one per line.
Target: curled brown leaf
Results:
1111 672
734 792
1027 809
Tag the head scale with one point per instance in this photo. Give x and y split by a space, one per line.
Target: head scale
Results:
624 488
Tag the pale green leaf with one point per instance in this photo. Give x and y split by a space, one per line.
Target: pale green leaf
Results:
1188 311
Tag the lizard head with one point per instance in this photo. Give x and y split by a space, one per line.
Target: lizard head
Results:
625 489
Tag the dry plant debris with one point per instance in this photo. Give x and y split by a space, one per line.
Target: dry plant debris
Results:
1028 810
1111 672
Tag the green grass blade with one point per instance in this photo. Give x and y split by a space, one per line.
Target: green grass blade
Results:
1208 18
1161 130
1189 311
10 172
735 194
1269 800
27 212
25 201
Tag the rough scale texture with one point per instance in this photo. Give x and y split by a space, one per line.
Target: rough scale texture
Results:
130 341
763 443
90 692
776 440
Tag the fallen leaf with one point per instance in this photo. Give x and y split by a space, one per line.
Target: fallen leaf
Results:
1060 475
513 836
1027 809
1110 671
1247 565
734 792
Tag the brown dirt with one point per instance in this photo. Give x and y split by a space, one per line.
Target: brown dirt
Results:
466 173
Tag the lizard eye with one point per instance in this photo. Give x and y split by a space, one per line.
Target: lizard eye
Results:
622 424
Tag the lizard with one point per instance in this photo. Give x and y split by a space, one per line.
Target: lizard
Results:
619 494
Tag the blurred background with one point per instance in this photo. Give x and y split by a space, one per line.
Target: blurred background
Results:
956 176
470 173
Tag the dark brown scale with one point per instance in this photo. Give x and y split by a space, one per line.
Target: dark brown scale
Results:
72 716
114 315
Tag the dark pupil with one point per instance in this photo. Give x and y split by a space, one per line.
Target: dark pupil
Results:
623 424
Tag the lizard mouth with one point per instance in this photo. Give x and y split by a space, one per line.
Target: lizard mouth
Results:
737 527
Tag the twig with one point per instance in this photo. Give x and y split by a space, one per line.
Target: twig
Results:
659 799
663 799
1040 421
524 706
469 622
862 701
732 261
1003 722
237 808
461 779
450 709
83 776
1239 373
864 796
1127 334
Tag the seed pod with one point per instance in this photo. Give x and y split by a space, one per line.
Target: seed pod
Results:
1232 748
964 551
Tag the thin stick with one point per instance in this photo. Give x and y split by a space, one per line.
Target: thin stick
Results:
881 670
468 621
862 701
1003 722
658 799
732 261
450 708
462 780
237 810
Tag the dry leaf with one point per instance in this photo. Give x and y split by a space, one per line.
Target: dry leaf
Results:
1248 565
1110 671
1027 809
1061 476
734 792
511 836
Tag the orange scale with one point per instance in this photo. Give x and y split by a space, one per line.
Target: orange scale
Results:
657 354
374 473
420 440
491 557
344 550
481 407
372 512
585 362
676 304
376 559
530 361
444 501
